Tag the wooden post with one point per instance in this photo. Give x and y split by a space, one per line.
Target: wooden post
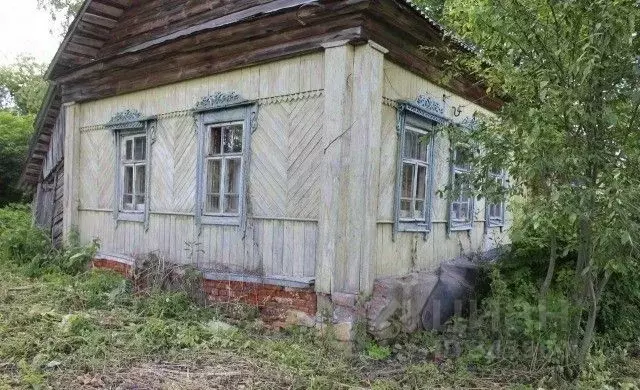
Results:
364 167
71 169
338 69
350 168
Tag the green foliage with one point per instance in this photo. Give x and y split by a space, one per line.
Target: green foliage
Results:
569 73
29 248
168 305
434 8
377 352
62 12
15 132
22 86
20 243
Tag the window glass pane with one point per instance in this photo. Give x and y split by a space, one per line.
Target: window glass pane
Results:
407 180
420 192
455 211
232 204
233 175
464 212
127 202
128 180
462 158
423 143
407 190
215 141
405 208
422 183
213 186
213 204
128 155
495 211
141 172
419 209
140 153
140 202
233 138
416 146
410 141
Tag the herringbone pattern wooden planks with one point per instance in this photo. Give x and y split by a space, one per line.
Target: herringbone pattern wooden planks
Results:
173 177
97 165
286 156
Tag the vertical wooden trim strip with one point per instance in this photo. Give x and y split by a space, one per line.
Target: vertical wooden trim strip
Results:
396 204
199 172
71 169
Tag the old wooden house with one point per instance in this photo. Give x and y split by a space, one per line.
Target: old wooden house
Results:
287 148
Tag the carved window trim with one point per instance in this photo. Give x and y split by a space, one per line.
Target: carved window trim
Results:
219 109
425 114
124 125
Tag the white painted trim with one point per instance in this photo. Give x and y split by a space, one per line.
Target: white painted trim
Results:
378 47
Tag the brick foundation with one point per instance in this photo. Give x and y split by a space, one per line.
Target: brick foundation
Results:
278 305
121 268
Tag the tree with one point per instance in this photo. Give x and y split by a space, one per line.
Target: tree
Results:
434 8
15 131
61 12
568 133
22 86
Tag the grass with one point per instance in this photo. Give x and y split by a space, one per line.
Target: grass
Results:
90 331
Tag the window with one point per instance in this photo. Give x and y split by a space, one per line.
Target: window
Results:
461 210
415 175
414 171
223 166
134 136
496 210
133 167
225 122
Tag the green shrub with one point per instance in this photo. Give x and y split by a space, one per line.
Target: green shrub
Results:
166 305
29 248
377 352
20 242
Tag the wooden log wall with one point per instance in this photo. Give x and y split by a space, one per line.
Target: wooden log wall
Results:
281 233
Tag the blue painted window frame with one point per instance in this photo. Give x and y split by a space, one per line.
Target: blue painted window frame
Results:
410 114
132 125
457 226
242 112
493 222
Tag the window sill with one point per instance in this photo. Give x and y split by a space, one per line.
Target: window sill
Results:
461 228
413 227
131 216
495 225
220 220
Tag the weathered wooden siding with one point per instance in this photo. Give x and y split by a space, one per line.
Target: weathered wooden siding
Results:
283 184
55 153
285 160
413 251
271 247
48 204
58 206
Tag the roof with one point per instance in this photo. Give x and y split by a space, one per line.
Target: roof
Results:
94 26
87 34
